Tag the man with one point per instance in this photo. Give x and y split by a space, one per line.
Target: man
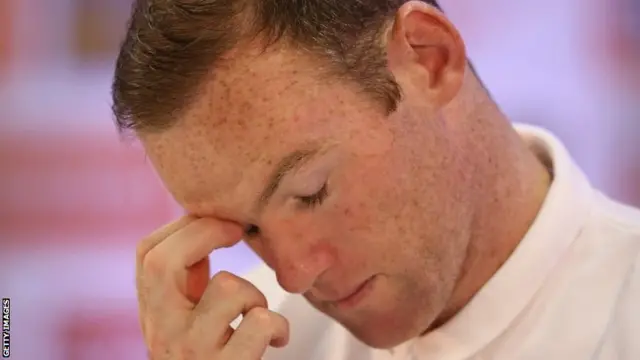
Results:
352 147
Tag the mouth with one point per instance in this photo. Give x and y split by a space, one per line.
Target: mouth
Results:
357 296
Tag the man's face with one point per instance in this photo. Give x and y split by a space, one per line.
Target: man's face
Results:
337 192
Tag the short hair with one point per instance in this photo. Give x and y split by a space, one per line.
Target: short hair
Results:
171 45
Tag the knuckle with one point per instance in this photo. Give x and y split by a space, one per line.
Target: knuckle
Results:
228 284
260 298
225 282
260 316
144 247
224 276
153 264
141 250
254 296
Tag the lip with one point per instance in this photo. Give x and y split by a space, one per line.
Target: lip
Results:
357 296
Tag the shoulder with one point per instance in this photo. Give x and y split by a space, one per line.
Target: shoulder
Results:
619 221
618 227
610 238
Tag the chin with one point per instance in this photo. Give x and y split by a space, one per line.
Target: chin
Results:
385 330
376 331
386 319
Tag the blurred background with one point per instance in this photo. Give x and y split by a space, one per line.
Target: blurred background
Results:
75 199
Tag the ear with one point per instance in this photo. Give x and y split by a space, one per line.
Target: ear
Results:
426 53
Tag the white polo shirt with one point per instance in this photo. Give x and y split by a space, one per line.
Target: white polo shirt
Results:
570 290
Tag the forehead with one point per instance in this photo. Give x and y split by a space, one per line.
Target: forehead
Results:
252 112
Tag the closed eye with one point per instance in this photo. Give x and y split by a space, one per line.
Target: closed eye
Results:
316 199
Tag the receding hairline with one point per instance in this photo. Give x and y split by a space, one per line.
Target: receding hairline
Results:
254 48
150 93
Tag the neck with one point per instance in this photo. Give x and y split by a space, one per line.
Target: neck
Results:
511 183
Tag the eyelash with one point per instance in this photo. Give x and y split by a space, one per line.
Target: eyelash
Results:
310 201
315 199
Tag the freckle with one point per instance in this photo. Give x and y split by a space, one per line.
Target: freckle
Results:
223 120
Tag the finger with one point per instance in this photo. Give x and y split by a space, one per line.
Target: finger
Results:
258 329
167 266
159 235
143 247
197 284
226 297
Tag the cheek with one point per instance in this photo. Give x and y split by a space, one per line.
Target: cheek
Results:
371 212
368 199
346 217
352 223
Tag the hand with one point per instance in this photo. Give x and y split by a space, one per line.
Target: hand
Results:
184 314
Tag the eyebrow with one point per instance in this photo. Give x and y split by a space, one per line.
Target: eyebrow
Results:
287 165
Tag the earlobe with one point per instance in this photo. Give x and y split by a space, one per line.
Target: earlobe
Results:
428 46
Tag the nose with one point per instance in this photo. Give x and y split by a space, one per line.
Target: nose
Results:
298 260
